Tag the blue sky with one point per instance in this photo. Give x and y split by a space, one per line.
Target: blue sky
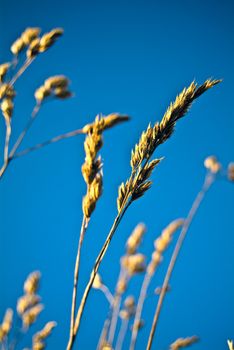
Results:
129 57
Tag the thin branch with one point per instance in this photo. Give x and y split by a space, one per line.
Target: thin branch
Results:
48 142
207 183
139 308
107 293
22 69
76 277
122 333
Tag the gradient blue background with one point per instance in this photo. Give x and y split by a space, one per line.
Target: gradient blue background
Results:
130 57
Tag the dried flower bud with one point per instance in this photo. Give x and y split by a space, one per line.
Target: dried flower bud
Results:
121 286
26 301
3 70
45 332
17 46
135 238
41 93
124 314
97 283
231 171
211 163
30 316
39 345
183 342
29 35
49 39
7 107
62 93
134 263
58 81
32 282
7 322
6 90
33 49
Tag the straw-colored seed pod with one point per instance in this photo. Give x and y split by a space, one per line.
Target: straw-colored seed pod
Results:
33 49
124 314
3 70
30 316
41 93
32 282
57 81
211 163
231 171
29 35
48 39
26 301
38 345
45 332
183 342
6 90
62 93
135 238
7 322
17 46
121 286
133 263
88 205
7 107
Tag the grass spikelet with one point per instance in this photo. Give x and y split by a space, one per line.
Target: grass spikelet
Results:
29 35
105 122
26 301
6 325
48 39
33 49
6 90
183 342
4 67
135 238
134 263
45 332
231 172
211 163
230 344
122 194
31 284
17 46
7 108
30 316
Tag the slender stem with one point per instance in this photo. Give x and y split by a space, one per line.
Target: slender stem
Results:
21 70
122 333
114 319
103 335
96 267
48 142
207 183
7 140
139 308
107 293
76 277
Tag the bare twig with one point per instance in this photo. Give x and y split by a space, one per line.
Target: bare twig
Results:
207 183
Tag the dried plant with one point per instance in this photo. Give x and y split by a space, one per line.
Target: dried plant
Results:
122 306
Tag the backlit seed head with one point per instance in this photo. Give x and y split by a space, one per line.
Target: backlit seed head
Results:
7 107
29 35
30 316
231 171
26 301
121 286
6 90
45 332
33 49
183 342
41 93
133 263
3 70
135 238
211 163
62 93
7 322
49 39
31 284
17 46
57 81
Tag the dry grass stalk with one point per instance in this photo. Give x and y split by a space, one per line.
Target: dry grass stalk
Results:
160 245
183 342
230 345
6 324
153 137
209 179
98 284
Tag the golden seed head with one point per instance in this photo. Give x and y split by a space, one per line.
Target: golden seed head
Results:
135 238
183 342
31 284
29 35
133 263
41 93
49 39
62 93
17 46
3 70
156 259
129 302
7 322
7 107
121 286
97 283
124 314
45 332
230 344
107 347
211 163
6 90
57 81
38 345
88 205
33 49
30 316
231 171
26 301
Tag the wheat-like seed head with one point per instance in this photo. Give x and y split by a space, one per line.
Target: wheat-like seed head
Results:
27 301
30 316
135 238
6 325
31 284
183 342
4 67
